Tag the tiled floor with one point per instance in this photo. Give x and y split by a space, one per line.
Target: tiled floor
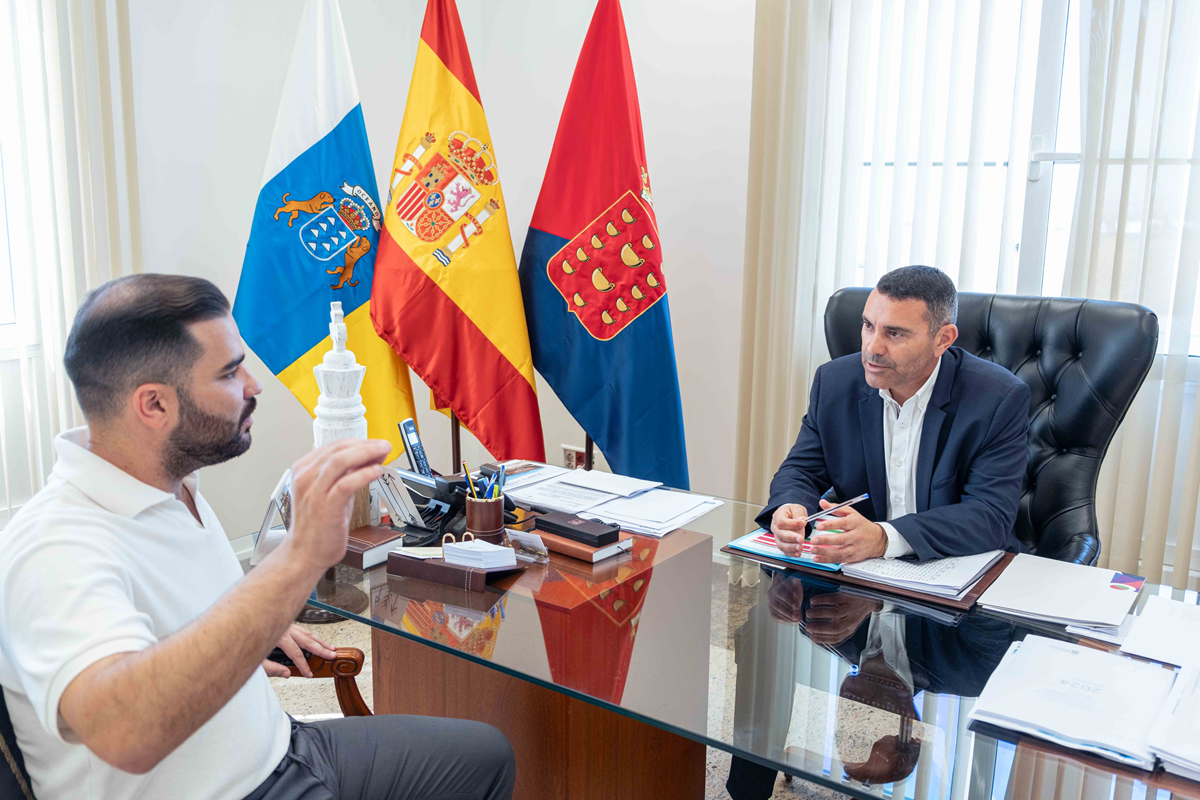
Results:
301 697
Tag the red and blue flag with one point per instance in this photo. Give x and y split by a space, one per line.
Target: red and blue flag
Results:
592 270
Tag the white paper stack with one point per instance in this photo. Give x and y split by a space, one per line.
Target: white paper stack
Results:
619 485
1066 594
480 555
1077 697
1175 737
557 495
654 513
1166 630
944 577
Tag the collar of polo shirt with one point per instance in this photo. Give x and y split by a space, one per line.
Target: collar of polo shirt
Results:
105 483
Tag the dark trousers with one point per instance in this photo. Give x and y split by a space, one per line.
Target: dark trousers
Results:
749 780
392 757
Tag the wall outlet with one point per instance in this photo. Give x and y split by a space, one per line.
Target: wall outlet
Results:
572 456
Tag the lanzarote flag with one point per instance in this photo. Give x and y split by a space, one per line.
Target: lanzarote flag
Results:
592 270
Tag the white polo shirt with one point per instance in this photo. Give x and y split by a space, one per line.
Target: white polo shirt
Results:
99 563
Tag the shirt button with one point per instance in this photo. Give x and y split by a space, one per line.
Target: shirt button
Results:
903 425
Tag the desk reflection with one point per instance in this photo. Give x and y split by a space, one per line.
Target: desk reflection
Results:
887 651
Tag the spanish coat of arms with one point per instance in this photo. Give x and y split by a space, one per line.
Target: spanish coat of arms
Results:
439 196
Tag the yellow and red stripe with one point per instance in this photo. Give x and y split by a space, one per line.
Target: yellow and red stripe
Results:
459 325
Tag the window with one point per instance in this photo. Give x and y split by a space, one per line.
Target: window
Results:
8 316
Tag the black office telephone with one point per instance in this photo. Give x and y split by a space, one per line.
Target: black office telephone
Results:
441 503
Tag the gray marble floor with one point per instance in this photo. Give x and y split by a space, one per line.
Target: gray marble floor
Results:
300 697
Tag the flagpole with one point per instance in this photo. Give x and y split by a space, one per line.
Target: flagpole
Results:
589 452
455 443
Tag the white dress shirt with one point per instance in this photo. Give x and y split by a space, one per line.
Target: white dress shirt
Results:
901 439
99 563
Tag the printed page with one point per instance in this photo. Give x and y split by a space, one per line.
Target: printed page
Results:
560 496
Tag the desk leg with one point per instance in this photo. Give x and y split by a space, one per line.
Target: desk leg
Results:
565 748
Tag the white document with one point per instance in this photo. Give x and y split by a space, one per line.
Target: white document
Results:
945 577
559 496
520 474
1175 737
658 505
1104 633
619 485
1063 593
1077 697
421 553
1167 631
615 511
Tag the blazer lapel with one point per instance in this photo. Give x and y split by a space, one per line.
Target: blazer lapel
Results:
931 429
870 415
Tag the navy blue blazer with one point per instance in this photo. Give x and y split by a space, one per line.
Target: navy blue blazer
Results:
970 460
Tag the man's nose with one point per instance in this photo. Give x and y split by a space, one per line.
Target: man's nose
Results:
253 387
873 344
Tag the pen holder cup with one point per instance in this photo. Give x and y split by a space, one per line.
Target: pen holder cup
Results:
485 519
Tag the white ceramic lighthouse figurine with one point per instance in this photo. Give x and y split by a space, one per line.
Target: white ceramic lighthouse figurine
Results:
340 413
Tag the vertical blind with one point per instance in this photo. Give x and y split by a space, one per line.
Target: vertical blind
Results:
69 181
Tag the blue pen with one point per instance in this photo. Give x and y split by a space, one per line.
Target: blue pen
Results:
500 485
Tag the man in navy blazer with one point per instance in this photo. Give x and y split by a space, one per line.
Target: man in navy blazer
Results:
936 435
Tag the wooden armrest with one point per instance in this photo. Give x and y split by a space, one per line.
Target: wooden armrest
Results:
347 664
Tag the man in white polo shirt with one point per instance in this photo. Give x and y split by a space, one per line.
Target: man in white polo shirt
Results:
131 646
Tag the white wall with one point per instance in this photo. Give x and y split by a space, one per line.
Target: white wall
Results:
207 80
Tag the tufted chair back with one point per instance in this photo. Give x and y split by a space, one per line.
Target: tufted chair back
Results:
1084 361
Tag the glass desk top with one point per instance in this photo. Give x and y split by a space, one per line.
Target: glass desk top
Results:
861 692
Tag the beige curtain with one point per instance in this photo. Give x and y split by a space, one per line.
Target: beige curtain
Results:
781 325
70 196
1136 237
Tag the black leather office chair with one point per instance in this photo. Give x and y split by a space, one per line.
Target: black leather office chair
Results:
1084 361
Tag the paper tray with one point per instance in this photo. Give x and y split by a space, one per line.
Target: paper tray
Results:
964 604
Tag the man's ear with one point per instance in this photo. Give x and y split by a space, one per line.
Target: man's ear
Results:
946 336
156 405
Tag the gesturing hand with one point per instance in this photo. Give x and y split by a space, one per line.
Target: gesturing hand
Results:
788 524
857 538
294 641
323 486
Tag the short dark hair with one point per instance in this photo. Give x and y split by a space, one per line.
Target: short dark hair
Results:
924 283
134 330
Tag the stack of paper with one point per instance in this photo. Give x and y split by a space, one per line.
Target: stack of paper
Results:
1167 631
608 482
654 513
1175 737
557 495
1077 697
943 577
481 555
1066 594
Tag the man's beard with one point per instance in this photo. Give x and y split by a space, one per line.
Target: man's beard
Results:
202 439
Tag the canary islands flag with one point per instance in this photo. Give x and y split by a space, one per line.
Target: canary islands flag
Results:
315 233
446 295
592 270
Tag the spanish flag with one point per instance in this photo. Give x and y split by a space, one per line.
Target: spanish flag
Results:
315 233
446 293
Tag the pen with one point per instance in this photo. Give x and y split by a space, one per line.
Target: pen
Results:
829 511
500 484
470 481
